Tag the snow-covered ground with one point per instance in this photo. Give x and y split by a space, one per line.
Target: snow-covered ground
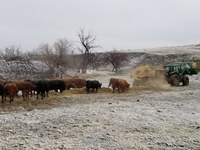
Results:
149 119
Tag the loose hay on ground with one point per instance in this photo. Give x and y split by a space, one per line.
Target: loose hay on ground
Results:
58 99
83 91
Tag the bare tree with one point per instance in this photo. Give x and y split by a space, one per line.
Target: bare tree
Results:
47 56
12 53
55 56
62 48
97 60
87 41
117 59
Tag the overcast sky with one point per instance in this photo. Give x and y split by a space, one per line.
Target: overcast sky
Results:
119 24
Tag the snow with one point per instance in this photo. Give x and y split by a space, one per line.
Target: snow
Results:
146 119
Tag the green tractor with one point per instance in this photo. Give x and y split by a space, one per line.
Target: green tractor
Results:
178 73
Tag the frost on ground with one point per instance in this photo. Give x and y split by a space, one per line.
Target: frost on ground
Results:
150 119
145 120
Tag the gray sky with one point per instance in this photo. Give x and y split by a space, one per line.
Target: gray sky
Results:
120 24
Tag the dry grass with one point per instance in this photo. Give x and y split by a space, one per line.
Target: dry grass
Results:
32 103
58 99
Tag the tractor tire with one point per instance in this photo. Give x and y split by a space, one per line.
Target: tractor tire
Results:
185 81
174 80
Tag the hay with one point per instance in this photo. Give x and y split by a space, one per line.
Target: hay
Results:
105 90
75 91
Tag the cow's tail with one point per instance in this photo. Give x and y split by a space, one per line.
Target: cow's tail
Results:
109 84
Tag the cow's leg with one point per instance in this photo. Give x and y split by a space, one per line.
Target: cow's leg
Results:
87 89
42 94
23 93
113 89
118 89
47 93
31 93
37 94
13 96
10 96
26 94
2 97
5 97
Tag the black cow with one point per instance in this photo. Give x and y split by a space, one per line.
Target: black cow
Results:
57 85
42 88
93 84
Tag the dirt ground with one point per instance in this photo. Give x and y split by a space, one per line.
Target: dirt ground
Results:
138 119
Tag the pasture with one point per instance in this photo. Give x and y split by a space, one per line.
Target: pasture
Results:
140 118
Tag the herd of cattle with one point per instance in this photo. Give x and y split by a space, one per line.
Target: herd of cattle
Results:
42 87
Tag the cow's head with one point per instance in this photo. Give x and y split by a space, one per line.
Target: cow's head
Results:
100 84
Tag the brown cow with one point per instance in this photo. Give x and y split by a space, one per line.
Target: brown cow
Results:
120 84
10 89
25 87
76 82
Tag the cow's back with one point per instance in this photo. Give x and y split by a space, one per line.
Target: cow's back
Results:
24 85
78 82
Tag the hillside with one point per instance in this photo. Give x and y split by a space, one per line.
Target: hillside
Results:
141 118
157 56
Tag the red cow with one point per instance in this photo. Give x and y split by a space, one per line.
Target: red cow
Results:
120 84
76 82
10 89
26 87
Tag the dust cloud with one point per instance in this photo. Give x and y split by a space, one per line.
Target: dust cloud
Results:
150 77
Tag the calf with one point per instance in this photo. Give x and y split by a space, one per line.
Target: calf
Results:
94 84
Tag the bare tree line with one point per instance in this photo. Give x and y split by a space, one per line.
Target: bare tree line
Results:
63 55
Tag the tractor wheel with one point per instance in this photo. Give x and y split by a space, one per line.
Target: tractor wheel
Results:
174 80
185 81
